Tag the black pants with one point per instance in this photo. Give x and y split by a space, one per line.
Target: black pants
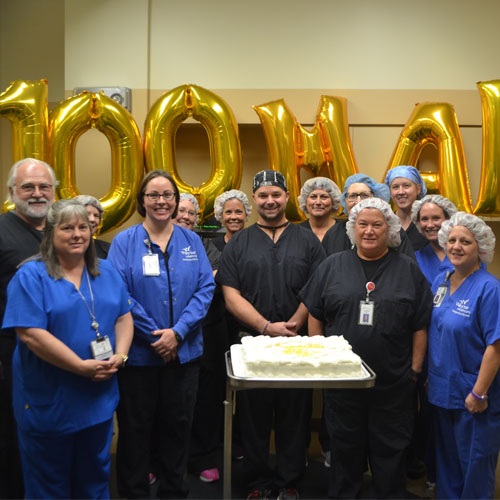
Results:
165 394
291 409
11 477
377 423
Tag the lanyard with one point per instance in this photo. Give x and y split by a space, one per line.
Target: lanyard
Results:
95 324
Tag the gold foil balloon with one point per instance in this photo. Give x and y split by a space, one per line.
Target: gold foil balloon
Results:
436 123
24 104
327 146
68 121
162 122
489 188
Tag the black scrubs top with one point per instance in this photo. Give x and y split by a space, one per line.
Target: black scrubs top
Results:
102 248
270 274
403 305
417 239
336 240
18 241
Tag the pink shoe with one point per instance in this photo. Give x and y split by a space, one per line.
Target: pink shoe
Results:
209 475
152 478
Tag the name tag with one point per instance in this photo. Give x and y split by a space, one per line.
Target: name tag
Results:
440 295
366 313
150 265
101 348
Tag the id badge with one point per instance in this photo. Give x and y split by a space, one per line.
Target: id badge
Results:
440 295
150 265
366 312
101 348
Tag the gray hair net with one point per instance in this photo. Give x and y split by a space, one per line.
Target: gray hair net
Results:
194 201
86 199
394 238
221 200
445 204
480 230
324 184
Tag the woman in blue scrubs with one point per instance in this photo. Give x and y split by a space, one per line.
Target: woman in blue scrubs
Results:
464 357
170 281
428 214
71 314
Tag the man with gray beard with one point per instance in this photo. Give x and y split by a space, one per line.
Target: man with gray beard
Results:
31 186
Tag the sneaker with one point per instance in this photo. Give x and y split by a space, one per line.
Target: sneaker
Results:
328 458
288 494
430 490
237 452
152 478
209 475
259 495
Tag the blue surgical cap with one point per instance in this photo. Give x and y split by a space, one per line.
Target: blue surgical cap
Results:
379 190
410 173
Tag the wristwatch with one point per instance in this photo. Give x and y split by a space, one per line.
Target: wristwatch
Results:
177 336
124 358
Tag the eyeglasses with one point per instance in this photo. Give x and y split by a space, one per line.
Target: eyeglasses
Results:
192 213
167 195
355 196
30 188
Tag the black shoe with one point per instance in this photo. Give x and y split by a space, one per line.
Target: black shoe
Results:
259 495
288 494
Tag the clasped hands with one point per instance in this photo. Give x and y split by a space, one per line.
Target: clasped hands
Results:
166 345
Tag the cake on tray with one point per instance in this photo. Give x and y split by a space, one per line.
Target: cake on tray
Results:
300 357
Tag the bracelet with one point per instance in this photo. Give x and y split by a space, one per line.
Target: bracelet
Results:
265 328
478 397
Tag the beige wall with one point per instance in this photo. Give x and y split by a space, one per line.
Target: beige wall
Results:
383 57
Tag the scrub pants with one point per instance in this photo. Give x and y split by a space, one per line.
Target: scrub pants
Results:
291 411
75 465
156 404
377 423
467 449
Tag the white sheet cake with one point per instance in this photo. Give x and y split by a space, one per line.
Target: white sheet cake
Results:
300 357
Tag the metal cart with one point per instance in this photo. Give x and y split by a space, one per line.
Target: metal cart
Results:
236 383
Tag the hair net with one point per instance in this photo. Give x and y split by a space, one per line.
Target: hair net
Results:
379 190
220 201
194 201
394 238
480 230
320 183
410 173
445 204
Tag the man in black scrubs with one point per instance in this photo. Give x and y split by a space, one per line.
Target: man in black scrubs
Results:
262 270
31 186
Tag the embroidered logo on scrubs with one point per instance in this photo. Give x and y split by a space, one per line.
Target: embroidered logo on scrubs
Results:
462 308
188 254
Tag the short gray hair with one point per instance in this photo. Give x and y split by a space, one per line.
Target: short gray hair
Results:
86 199
11 178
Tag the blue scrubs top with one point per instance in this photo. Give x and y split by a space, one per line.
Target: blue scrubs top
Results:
430 265
191 285
46 399
460 330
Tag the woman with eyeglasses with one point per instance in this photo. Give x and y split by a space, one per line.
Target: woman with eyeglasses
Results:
169 279
358 187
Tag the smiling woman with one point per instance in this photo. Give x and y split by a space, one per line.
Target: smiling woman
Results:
71 314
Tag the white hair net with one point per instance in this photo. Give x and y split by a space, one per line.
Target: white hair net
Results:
480 230
394 238
221 200
445 204
320 183
194 201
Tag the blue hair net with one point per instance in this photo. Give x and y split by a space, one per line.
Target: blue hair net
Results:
407 172
379 190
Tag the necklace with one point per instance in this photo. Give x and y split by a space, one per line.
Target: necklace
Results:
94 324
273 228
